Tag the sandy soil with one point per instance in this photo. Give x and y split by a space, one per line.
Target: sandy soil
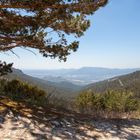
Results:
19 121
67 128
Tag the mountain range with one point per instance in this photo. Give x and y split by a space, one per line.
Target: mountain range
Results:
82 76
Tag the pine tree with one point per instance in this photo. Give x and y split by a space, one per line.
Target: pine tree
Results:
45 24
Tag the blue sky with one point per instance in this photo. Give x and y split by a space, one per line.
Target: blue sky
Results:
113 41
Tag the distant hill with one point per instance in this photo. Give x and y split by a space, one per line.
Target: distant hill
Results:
68 85
82 76
128 82
60 90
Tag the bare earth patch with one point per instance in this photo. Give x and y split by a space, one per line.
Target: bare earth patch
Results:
21 122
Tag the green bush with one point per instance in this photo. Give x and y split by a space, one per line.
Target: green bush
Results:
3 82
89 101
22 91
84 101
111 101
120 101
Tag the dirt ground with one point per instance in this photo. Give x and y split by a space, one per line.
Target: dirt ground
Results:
19 122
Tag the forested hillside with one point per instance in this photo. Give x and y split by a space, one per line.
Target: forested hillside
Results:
130 82
49 87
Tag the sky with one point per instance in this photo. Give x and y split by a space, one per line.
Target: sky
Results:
112 41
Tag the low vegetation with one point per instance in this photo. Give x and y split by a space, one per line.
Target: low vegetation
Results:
18 90
129 82
87 102
110 102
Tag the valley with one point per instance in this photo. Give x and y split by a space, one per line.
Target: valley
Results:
62 87
82 76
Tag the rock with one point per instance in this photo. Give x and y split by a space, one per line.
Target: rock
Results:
56 124
1 119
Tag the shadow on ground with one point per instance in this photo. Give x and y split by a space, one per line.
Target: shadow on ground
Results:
22 121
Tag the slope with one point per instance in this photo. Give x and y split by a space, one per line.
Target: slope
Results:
49 87
126 82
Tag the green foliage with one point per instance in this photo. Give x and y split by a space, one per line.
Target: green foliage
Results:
85 101
19 90
120 101
3 82
5 68
129 82
45 24
111 101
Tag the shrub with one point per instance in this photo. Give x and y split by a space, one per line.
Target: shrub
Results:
84 101
3 82
111 101
22 91
116 101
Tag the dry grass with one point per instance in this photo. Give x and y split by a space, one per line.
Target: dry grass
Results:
19 107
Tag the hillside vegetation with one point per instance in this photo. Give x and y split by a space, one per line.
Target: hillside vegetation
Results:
23 92
51 88
105 105
129 82
118 103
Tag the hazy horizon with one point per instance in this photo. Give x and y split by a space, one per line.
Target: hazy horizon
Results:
78 68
